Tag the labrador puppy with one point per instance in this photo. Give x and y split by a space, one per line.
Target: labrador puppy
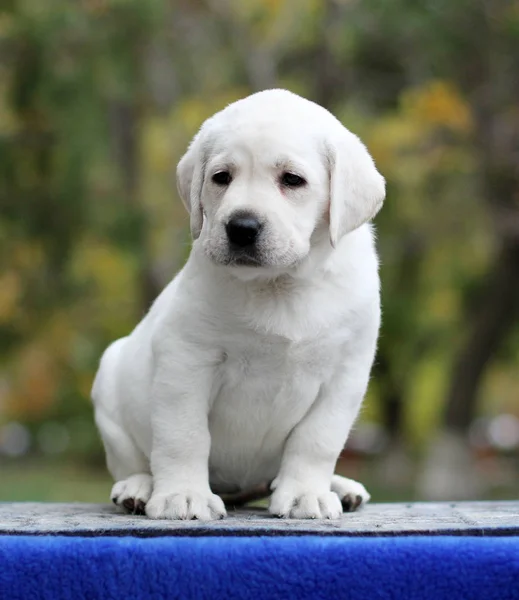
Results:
252 364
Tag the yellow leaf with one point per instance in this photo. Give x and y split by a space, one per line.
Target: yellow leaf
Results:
439 103
10 289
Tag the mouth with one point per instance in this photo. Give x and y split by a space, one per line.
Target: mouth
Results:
252 258
260 263
245 261
247 256
235 259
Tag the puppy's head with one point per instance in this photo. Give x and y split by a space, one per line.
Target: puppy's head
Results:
263 175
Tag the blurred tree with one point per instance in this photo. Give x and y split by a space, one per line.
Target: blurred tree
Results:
475 44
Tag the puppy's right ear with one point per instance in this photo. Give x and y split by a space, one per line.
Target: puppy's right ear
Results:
190 178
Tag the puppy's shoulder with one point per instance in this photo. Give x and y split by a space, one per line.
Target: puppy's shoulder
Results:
354 270
182 308
355 262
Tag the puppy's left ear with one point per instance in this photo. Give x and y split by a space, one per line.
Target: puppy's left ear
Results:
190 179
357 189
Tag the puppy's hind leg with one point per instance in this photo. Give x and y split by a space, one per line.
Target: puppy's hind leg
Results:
133 493
243 497
128 466
352 494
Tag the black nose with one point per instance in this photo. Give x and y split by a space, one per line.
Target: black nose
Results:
242 230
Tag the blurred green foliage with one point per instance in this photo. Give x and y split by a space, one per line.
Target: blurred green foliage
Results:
99 99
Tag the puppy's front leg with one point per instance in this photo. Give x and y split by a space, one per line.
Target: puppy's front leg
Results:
181 443
303 487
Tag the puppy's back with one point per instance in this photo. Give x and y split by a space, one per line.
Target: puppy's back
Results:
104 388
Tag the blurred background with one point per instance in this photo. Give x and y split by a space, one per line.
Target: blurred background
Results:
99 99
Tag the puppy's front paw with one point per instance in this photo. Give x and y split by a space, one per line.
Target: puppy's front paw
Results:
352 494
132 494
294 503
184 505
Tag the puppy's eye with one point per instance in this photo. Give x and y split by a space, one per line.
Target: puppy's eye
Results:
292 180
222 178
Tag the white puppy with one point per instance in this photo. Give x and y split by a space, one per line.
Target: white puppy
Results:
252 364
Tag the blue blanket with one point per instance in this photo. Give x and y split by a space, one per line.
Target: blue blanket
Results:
127 568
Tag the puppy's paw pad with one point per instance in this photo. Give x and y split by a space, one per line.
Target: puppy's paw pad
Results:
187 505
351 503
134 507
305 505
133 493
352 494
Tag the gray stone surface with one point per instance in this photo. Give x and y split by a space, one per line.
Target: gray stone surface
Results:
466 518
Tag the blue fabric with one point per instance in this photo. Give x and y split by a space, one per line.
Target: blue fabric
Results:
396 568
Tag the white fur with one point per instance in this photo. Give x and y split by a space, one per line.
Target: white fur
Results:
244 374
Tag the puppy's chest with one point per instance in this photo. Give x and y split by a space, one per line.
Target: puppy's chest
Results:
265 387
274 361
